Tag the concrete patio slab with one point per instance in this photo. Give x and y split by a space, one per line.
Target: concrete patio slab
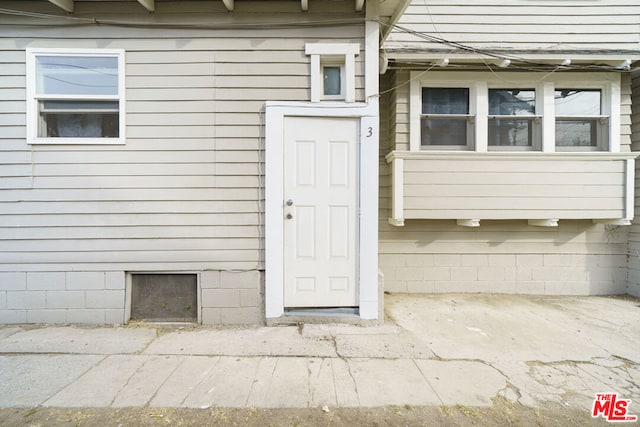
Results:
8 331
391 382
227 384
326 331
29 380
441 350
283 382
271 341
467 383
183 380
76 340
99 386
505 328
142 386
385 346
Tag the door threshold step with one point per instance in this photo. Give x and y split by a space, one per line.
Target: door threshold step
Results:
345 315
331 311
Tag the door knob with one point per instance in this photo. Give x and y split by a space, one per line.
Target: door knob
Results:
289 202
289 216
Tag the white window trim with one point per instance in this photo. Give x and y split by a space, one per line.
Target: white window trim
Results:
32 96
608 83
333 54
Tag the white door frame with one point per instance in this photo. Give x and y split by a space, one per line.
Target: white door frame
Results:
367 217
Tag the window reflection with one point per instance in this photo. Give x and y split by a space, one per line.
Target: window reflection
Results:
505 103
577 102
578 121
445 101
445 118
332 83
77 75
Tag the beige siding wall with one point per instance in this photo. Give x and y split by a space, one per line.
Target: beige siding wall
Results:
387 128
578 257
185 193
513 187
521 25
634 235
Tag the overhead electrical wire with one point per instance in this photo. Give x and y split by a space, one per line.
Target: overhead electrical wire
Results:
518 62
528 64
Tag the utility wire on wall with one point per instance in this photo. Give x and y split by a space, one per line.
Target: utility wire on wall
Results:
527 64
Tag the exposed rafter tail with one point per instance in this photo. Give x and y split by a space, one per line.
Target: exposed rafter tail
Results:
150 5
66 5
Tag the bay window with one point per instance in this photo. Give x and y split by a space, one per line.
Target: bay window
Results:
511 111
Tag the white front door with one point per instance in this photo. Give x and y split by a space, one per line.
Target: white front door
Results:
320 208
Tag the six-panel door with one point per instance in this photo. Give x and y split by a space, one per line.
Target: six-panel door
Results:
320 207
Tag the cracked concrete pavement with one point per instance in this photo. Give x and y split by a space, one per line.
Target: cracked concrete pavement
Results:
432 350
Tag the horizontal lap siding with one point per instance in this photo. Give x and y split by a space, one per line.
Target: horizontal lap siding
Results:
568 25
625 112
634 235
186 191
387 129
513 189
15 167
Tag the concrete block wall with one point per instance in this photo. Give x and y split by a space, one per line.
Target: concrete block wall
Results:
62 297
230 297
577 258
227 297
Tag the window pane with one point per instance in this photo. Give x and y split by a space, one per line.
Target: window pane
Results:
89 125
77 75
73 106
577 133
512 102
332 83
444 131
79 119
445 100
512 133
577 102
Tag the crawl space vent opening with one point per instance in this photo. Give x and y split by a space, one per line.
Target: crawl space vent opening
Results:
164 297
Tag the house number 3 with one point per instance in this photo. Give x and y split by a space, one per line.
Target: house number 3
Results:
369 132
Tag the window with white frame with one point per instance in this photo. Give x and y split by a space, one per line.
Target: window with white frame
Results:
512 121
580 123
446 121
332 71
509 111
75 96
